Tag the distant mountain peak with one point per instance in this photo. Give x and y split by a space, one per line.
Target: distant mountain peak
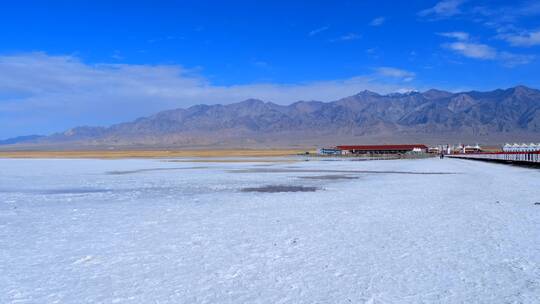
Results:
367 93
521 89
436 94
435 91
403 93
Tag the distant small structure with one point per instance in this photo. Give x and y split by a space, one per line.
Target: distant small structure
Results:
532 147
472 149
329 151
456 149
462 149
441 149
435 150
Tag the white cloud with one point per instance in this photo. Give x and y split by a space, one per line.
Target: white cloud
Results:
41 93
473 50
456 35
525 39
445 8
318 31
485 52
469 49
377 21
395 73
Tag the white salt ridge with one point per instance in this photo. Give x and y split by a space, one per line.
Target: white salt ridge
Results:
192 236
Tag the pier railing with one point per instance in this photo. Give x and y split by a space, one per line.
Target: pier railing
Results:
532 157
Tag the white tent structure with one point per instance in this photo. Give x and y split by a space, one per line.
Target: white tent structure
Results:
532 147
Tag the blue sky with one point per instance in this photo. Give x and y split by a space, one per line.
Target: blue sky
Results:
68 63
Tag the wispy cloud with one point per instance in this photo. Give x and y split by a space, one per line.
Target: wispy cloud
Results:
511 60
445 8
476 50
468 48
395 73
377 21
505 21
347 37
525 39
456 35
43 93
318 30
497 15
464 46
501 18
472 50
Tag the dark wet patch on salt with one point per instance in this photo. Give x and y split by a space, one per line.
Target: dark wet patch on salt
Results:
329 177
152 170
270 170
280 188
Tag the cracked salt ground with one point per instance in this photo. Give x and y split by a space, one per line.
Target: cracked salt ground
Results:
190 236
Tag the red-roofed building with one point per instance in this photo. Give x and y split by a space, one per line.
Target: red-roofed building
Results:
383 149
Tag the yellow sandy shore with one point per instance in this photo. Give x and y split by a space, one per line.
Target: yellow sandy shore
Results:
148 154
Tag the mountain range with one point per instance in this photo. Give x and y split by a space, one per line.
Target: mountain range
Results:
433 116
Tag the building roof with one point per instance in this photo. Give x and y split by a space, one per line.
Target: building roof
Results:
382 147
